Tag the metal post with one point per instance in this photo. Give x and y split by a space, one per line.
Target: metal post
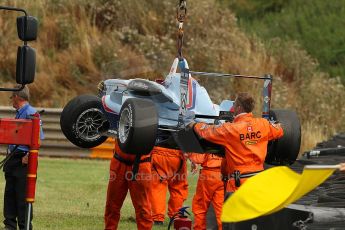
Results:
32 168
267 90
28 216
184 81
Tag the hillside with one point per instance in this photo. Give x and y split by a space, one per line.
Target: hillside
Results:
78 39
317 25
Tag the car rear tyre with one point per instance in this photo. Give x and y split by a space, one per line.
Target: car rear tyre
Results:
82 121
285 150
138 126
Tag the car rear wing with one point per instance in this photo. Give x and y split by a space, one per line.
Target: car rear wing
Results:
266 93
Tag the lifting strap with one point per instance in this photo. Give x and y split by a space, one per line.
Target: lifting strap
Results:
135 164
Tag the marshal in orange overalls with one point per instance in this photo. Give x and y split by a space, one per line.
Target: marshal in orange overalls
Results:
210 189
245 141
169 172
120 182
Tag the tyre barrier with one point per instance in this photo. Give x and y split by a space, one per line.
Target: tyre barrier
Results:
331 193
335 146
326 202
334 204
322 208
337 140
338 225
55 143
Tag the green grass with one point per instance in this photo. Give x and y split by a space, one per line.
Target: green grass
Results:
317 25
70 194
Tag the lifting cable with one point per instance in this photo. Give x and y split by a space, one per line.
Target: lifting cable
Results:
181 14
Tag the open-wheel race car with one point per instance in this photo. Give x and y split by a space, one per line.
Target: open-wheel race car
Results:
143 114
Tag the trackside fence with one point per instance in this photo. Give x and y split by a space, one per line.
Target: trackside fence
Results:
55 143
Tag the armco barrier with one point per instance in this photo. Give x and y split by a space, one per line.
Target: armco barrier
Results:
55 143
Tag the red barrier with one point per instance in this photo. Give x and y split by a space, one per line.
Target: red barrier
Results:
31 176
33 160
24 132
16 131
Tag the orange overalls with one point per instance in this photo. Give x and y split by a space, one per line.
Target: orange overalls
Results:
120 182
245 141
169 171
210 188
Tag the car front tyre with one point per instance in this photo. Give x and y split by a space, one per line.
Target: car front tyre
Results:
82 121
138 126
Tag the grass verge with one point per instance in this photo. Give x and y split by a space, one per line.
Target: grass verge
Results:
70 194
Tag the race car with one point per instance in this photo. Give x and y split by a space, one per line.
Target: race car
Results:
143 114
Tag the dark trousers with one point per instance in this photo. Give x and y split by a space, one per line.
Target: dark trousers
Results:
14 198
228 226
211 219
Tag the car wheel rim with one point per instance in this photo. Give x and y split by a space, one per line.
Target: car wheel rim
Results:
124 125
88 124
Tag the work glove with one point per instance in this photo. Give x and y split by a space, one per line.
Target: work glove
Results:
189 118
